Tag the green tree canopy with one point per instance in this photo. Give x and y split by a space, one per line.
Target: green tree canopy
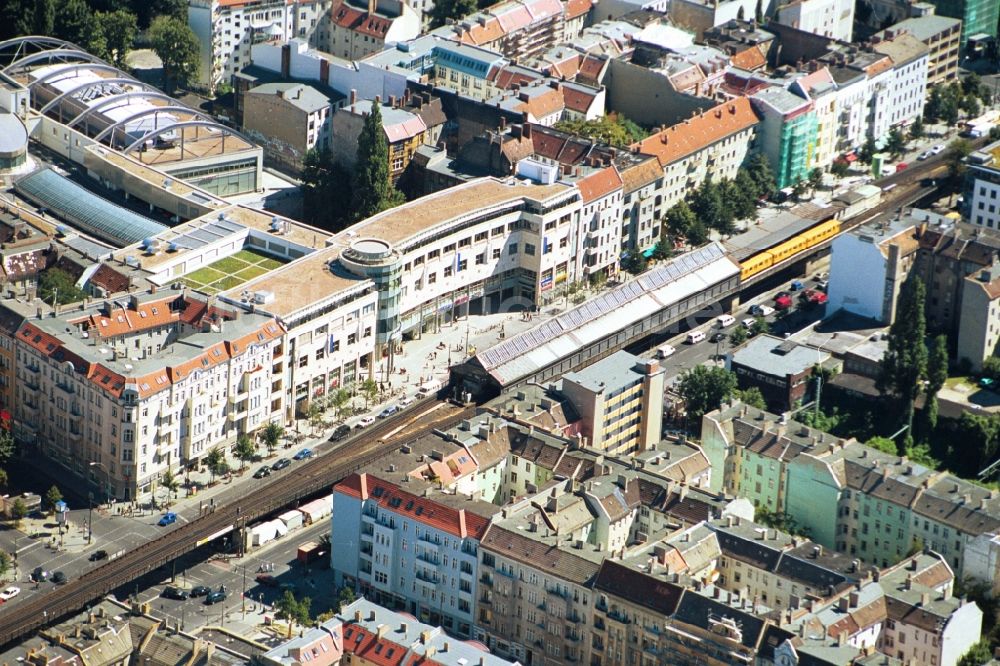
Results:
326 191
18 510
895 142
272 434
245 449
451 9
372 190
55 282
979 654
937 375
53 497
215 460
119 29
760 171
751 396
703 389
613 129
905 362
883 444
177 47
917 128
76 23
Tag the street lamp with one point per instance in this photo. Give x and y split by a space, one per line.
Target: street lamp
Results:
90 505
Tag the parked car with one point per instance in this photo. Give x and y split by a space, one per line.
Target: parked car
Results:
718 336
937 149
388 411
9 593
928 182
303 454
749 323
406 401
267 580
40 575
365 421
98 555
986 383
783 302
665 350
340 433
215 597
822 285
796 285
262 472
781 294
814 297
280 463
924 155
59 578
168 518
171 592
200 591
762 310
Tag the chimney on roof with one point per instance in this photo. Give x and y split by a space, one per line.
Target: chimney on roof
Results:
925 599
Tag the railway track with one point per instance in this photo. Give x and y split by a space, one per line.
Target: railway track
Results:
276 494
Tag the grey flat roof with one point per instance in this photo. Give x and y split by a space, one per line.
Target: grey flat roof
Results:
774 356
611 373
925 27
85 210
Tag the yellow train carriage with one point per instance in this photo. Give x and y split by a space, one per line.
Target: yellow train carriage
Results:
795 245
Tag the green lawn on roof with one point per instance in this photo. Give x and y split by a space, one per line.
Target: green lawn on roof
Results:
206 275
230 265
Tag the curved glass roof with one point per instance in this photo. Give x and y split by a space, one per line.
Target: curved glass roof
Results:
85 210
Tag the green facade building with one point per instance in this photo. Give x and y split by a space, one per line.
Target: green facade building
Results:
787 134
979 17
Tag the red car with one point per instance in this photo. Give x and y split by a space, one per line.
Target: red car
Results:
782 302
814 297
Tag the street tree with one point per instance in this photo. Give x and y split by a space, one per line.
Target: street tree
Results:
895 142
958 150
840 168
703 389
271 434
738 336
295 611
119 28
979 654
905 362
170 483
372 189
8 446
760 171
53 497
815 178
346 595
18 511
339 400
4 480
245 449
917 128
314 412
933 105
937 375
868 150
6 563
742 202
214 460
369 389
177 47
760 326
680 218
710 207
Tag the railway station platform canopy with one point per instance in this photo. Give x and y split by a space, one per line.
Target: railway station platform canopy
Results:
668 291
85 210
111 107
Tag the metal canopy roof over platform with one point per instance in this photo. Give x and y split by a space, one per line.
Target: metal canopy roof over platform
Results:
540 347
85 210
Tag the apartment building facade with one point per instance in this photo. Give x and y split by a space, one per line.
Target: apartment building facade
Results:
355 30
787 133
405 551
228 29
713 144
620 400
123 391
290 118
830 18
886 505
942 35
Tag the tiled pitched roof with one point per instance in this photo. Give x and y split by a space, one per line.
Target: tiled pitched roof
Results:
689 137
639 175
460 523
579 99
600 184
108 279
750 59
577 8
550 557
592 68
638 588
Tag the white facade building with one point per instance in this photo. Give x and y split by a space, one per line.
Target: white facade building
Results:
830 18
228 29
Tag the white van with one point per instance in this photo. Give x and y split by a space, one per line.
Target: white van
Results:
725 320
430 388
665 351
694 337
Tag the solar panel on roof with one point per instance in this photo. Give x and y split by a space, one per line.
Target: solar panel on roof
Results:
85 210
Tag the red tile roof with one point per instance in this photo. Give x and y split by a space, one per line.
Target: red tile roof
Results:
599 184
577 8
579 100
110 280
460 523
689 137
592 68
750 59
351 18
